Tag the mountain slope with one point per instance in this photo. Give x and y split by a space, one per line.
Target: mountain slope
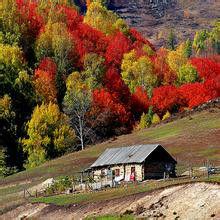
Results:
155 18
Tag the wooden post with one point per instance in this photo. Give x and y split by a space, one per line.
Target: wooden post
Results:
208 169
24 193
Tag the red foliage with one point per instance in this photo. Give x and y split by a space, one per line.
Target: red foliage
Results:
207 68
115 85
118 45
165 75
45 80
87 40
47 67
166 98
73 18
107 102
196 94
29 16
139 102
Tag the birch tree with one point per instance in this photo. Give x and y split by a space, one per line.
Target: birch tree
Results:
77 102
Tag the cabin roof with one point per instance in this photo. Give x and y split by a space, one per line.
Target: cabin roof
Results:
125 155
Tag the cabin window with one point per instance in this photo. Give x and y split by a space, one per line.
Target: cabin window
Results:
117 172
132 170
103 172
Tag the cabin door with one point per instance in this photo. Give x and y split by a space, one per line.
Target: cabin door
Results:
132 177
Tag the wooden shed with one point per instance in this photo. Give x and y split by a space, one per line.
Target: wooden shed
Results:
132 163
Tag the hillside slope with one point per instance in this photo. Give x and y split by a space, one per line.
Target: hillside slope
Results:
193 139
155 18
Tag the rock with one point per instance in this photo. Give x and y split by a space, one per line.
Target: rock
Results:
47 183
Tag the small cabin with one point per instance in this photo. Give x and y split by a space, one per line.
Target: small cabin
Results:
134 163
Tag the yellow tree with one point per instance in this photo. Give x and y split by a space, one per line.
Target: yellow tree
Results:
77 102
49 135
177 58
99 17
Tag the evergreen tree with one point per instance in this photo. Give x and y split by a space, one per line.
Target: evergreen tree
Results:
171 43
188 48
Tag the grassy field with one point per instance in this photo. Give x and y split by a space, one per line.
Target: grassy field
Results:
192 139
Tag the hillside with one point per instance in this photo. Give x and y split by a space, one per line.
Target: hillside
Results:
193 139
155 18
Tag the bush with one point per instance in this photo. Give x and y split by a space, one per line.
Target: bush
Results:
143 122
156 119
60 185
187 74
166 116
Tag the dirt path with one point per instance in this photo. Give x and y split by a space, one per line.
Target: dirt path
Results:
199 201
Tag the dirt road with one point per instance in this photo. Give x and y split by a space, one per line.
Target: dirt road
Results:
198 201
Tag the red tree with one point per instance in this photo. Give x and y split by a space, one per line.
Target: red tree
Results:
73 18
45 80
207 68
196 94
48 66
88 39
139 102
116 86
29 17
111 116
118 45
166 98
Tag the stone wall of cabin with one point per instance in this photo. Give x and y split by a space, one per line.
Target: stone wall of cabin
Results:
138 171
125 171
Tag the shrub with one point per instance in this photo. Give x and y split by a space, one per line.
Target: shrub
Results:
166 116
187 74
156 119
143 122
60 185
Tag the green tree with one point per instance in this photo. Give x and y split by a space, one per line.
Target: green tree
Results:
171 41
49 135
215 37
187 74
3 166
138 72
199 43
150 114
8 132
94 69
10 30
188 48
17 83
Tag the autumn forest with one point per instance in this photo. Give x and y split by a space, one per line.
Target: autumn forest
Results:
68 80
